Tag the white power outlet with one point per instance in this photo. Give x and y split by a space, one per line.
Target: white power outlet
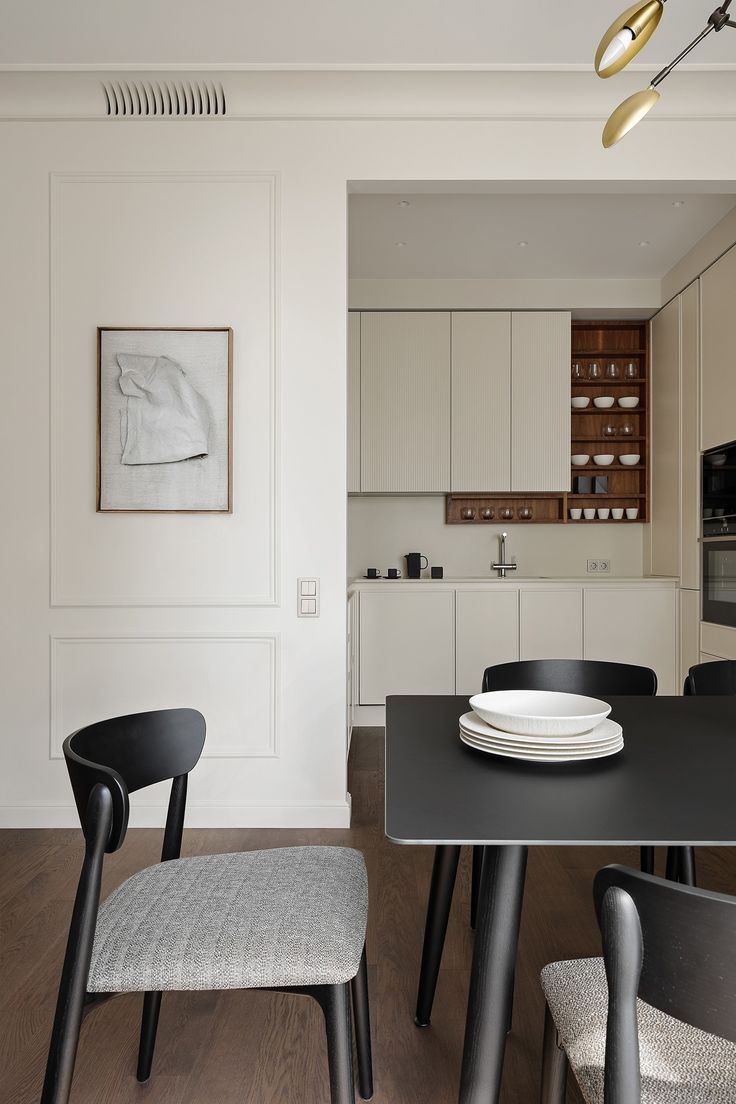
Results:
592 566
599 567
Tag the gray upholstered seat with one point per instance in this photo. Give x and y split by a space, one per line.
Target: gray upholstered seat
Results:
288 916
679 1064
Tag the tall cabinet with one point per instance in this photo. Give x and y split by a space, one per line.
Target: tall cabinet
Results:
719 352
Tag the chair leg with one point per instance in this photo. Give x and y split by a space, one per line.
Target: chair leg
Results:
672 870
149 1025
444 872
647 860
686 859
475 882
554 1064
362 1018
335 1003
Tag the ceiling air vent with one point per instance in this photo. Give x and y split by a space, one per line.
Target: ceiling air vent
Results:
164 99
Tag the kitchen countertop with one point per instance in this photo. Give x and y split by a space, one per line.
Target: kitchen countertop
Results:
520 580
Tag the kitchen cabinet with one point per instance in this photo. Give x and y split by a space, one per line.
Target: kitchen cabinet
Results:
407 643
690 512
481 401
405 401
353 402
486 632
689 631
665 441
551 624
636 625
540 400
718 320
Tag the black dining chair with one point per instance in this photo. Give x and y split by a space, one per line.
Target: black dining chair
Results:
290 919
591 677
717 678
654 1020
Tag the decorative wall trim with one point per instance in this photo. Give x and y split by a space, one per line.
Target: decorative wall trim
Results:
56 182
267 749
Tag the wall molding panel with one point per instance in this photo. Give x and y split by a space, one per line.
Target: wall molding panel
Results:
237 677
230 226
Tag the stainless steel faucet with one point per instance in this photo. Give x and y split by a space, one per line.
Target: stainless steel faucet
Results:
502 567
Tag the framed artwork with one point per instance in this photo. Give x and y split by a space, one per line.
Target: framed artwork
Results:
164 420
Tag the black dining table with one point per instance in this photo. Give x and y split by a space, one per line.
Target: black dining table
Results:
672 784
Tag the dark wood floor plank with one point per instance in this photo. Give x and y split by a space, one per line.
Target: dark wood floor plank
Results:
267 1048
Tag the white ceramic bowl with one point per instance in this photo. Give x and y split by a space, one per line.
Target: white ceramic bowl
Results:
579 459
628 402
539 712
629 459
632 512
576 513
579 402
603 459
603 402
617 512
604 513
589 513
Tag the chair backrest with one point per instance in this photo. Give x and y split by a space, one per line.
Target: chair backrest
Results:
688 936
593 677
124 754
712 678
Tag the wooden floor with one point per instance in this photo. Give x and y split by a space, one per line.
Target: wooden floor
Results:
262 1048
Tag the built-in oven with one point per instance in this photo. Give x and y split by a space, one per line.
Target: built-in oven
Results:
719 535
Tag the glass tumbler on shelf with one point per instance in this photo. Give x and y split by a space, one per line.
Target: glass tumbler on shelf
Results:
631 371
506 513
627 430
609 430
613 372
467 513
488 513
578 372
594 371
525 513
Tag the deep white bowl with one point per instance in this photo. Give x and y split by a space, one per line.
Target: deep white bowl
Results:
603 459
579 402
580 458
539 712
628 402
629 459
603 402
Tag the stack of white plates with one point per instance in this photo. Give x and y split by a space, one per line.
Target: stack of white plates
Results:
541 726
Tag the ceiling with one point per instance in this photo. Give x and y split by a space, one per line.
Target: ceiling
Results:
471 235
178 33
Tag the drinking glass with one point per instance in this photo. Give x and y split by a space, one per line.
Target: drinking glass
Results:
578 373
609 430
627 429
631 371
594 371
506 513
525 513
467 513
488 513
613 372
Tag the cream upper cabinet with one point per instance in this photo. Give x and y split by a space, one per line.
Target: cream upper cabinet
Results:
481 401
665 448
540 400
718 321
353 402
405 401
689 422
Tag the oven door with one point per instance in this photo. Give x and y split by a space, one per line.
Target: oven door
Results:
719 580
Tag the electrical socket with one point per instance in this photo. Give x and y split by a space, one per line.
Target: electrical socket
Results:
599 567
592 566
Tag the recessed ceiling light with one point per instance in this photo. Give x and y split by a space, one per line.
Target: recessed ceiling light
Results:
678 203
400 245
522 244
644 244
404 203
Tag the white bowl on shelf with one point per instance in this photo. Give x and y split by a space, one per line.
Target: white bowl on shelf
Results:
632 512
589 513
579 402
603 459
604 513
576 513
629 459
617 512
628 402
603 402
539 712
579 459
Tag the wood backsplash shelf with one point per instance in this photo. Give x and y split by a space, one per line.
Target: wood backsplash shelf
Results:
602 342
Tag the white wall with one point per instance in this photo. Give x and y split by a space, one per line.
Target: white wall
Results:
208 256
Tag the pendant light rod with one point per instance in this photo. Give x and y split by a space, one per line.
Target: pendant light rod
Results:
668 68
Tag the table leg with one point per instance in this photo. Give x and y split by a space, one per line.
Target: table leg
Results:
492 978
438 911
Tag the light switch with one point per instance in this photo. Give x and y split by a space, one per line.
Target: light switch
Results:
307 597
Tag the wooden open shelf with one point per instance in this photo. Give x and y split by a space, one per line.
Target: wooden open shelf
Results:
628 485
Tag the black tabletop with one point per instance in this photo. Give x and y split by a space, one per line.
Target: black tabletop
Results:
673 783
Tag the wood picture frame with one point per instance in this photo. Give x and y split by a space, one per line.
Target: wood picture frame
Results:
179 395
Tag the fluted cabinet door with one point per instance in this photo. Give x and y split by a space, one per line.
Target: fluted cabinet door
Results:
540 401
718 343
481 401
405 401
353 401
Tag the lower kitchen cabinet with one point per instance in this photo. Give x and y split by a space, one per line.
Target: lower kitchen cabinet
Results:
551 624
407 643
689 631
633 626
486 632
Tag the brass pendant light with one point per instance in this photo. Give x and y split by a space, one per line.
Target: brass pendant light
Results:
623 40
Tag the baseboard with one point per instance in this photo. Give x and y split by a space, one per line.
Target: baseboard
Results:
369 716
198 816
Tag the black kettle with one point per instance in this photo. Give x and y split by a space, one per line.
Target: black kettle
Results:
414 565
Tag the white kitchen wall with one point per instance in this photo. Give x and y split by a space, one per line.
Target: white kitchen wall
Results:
238 206
382 528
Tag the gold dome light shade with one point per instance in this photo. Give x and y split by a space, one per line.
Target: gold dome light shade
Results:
628 114
642 20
